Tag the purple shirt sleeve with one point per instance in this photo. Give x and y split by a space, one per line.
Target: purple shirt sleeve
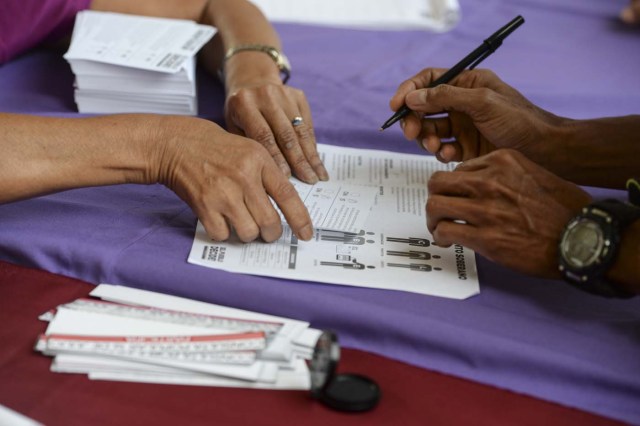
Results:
24 24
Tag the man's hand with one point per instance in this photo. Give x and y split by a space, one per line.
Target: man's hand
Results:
476 113
506 208
631 14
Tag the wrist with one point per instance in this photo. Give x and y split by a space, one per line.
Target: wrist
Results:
161 135
250 68
625 271
558 145
596 152
115 150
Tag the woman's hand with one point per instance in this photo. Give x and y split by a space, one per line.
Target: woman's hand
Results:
275 115
227 180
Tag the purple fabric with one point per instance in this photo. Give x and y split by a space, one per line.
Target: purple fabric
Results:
533 336
25 24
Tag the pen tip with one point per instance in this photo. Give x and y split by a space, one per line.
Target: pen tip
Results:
381 129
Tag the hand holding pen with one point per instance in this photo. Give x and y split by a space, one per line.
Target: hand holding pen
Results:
470 61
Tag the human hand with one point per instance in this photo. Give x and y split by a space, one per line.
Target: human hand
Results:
481 113
504 207
226 179
264 111
631 13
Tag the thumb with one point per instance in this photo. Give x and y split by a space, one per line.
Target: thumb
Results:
443 98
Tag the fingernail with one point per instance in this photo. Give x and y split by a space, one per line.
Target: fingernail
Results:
424 144
323 174
402 123
306 233
310 176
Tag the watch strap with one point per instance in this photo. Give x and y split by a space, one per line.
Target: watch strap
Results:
633 188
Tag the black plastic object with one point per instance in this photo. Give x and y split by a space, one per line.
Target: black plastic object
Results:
343 392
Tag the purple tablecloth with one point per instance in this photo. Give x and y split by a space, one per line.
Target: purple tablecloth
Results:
537 337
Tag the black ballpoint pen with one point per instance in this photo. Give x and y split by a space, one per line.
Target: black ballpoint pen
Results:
471 60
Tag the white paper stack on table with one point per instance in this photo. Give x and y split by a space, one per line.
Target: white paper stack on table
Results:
127 63
135 335
429 15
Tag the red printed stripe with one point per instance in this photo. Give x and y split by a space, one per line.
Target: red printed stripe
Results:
155 339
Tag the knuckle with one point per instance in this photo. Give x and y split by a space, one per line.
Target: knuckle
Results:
258 155
299 94
263 136
218 233
485 95
486 74
288 139
443 91
506 156
269 221
285 191
238 98
304 134
436 178
429 208
248 233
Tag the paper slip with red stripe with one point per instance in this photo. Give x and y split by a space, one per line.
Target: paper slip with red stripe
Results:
143 336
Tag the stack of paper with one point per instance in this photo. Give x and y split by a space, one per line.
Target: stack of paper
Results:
126 63
135 335
433 15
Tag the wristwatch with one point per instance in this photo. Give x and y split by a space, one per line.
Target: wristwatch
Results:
589 245
278 57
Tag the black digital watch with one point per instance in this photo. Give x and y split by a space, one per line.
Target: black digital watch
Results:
589 245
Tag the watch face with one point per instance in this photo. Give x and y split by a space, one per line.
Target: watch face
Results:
583 243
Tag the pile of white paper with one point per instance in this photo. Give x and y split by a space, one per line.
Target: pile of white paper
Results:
136 335
126 63
430 15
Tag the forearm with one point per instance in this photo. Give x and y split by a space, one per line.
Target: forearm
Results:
240 22
626 270
40 155
600 152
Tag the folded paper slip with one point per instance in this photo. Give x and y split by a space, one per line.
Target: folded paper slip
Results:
231 348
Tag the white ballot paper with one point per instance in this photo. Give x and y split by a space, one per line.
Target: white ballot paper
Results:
393 250
434 15
336 206
154 44
138 335
127 63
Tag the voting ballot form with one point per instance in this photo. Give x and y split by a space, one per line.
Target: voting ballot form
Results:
136 335
385 245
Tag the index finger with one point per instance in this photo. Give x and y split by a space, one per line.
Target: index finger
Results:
287 198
